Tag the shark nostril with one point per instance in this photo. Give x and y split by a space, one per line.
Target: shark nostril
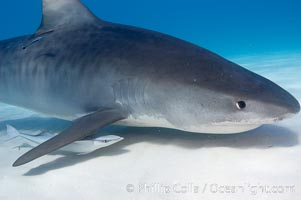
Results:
292 104
241 105
296 107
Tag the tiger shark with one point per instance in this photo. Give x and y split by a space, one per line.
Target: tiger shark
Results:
96 73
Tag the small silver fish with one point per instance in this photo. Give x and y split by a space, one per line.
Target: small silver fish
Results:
79 147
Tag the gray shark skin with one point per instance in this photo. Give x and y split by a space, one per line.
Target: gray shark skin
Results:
97 73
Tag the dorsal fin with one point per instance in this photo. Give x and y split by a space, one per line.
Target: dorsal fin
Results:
58 13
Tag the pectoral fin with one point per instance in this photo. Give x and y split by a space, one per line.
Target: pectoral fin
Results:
81 128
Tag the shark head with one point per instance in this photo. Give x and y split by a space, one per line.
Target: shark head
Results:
213 95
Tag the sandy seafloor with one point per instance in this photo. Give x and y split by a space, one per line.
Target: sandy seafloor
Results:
162 164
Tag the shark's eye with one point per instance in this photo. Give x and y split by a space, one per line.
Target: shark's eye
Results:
241 105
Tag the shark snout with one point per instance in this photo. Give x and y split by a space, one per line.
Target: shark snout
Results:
294 106
291 106
278 103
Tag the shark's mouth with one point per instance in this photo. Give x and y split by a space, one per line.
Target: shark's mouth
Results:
223 129
232 127
254 121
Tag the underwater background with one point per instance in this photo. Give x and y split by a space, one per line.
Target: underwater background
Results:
152 163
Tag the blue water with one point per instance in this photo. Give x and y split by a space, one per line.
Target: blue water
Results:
232 27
